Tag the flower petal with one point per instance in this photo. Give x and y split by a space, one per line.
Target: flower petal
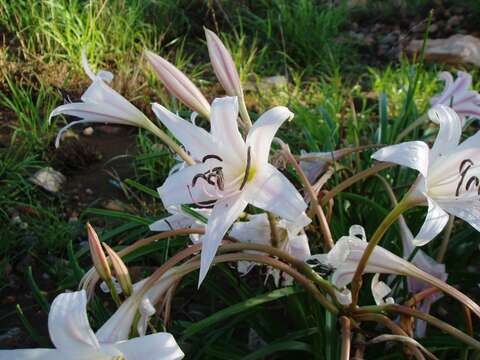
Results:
178 188
152 347
466 209
224 213
434 223
412 154
380 290
224 127
270 190
449 133
68 323
32 354
195 139
263 130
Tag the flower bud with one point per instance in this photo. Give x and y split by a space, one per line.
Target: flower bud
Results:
120 269
178 84
98 256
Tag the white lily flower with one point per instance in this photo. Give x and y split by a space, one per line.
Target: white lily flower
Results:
457 95
449 176
314 164
100 103
230 173
73 338
256 230
348 251
425 263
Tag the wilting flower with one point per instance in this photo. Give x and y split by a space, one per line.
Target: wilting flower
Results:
457 94
425 263
73 338
230 172
348 251
449 176
120 323
100 103
257 230
179 84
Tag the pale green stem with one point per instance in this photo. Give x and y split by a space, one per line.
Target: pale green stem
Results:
244 113
446 238
274 232
411 127
377 236
170 143
113 291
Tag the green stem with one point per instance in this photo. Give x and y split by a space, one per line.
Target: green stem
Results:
446 238
170 143
244 113
377 236
411 127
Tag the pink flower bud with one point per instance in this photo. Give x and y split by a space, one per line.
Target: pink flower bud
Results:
223 65
98 256
178 84
120 269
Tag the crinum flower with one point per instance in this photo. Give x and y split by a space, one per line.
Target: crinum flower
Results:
230 172
73 338
347 253
449 176
457 95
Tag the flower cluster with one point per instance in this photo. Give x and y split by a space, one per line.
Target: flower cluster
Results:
238 207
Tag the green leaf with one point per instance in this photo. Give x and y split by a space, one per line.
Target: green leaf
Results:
34 334
277 347
119 215
195 214
383 117
142 188
238 308
37 293
77 269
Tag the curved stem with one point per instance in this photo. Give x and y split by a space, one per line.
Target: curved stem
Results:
446 238
432 320
327 235
390 324
352 180
377 236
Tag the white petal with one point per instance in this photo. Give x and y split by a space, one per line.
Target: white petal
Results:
468 211
195 139
173 222
32 354
434 223
412 154
224 127
102 74
68 323
256 230
379 290
152 347
449 133
177 188
224 213
261 134
299 247
270 190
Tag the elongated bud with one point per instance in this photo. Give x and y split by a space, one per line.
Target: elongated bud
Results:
178 84
98 256
223 65
226 72
121 270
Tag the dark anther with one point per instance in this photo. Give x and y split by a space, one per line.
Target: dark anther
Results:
463 171
199 176
212 156
247 169
169 225
471 180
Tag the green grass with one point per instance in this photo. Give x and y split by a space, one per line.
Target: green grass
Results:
335 105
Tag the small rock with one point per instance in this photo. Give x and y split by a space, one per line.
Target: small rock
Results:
88 191
16 219
88 131
454 21
11 338
49 179
457 49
